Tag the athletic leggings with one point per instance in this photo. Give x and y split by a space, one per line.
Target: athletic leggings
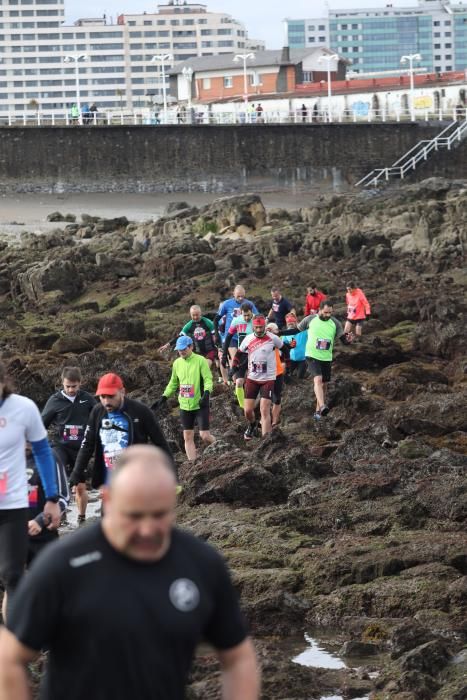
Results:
13 548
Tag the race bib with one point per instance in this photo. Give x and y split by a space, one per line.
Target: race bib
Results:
351 310
110 459
73 433
236 312
3 483
323 344
275 307
259 367
33 496
187 391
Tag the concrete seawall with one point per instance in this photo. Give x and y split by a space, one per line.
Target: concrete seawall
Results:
210 158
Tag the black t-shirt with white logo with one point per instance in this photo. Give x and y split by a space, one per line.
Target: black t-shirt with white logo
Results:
281 309
121 629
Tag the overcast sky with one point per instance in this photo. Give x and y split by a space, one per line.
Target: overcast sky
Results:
263 18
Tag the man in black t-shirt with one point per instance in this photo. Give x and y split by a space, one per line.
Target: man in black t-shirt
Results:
280 307
128 598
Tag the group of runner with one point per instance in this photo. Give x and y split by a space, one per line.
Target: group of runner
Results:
258 353
255 351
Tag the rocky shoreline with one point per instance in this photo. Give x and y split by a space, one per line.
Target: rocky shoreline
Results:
356 523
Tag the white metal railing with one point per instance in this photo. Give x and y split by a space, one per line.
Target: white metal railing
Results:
453 133
205 116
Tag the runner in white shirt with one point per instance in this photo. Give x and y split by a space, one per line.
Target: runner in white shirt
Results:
20 421
261 348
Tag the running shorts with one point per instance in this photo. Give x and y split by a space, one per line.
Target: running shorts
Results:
265 389
320 368
200 416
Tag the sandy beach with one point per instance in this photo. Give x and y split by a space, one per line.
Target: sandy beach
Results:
29 211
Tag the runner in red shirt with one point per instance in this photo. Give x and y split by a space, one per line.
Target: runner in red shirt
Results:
313 299
358 309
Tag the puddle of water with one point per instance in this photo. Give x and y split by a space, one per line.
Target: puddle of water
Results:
339 697
317 656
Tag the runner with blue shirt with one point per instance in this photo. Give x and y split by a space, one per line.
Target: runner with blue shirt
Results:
297 345
231 308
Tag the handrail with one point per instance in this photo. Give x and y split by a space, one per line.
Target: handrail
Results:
419 152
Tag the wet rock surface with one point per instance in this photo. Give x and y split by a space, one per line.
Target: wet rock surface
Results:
355 523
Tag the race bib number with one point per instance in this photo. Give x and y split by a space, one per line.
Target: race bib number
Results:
187 391
259 367
73 433
275 307
351 310
110 459
33 496
3 483
236 312
323 344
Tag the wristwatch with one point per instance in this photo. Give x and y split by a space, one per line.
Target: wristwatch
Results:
52 499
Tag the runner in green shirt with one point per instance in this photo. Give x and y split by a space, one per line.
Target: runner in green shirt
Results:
192 377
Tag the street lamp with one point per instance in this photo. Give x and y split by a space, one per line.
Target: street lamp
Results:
187 73
162 58
76 58
410 59
244 57
328 58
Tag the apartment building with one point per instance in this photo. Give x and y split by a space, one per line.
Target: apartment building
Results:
39 69
375 39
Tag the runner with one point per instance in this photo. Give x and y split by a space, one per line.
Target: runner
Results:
280 307
297 344
241 326
201 330
114 423
358 309
282 359
127 600
313 299
260 347
231 308
67 412
192 378
323 329
20 421
38 531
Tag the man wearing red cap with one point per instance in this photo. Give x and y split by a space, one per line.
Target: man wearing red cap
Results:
115 423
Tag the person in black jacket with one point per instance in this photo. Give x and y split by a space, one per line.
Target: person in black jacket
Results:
114 424
67 413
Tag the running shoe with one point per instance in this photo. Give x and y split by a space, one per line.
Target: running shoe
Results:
317 415
324 410
249 432
81 520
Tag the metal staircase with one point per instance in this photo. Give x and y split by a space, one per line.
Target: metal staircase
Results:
452 134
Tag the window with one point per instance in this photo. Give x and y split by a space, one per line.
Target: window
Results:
437 46
322 38
321 27
448 67
437 58
436 34
436 24
447 33
206 83
228 82
448 57
311 39
447 22
311 28
448 46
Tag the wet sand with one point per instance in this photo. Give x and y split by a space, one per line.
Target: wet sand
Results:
29 211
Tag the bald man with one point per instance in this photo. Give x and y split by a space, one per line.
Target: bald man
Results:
126 600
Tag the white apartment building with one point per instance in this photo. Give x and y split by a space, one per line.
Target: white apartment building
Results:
115 68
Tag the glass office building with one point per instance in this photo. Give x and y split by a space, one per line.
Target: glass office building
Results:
374 39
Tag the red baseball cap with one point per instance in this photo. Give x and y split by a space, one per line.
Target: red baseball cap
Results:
109 384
